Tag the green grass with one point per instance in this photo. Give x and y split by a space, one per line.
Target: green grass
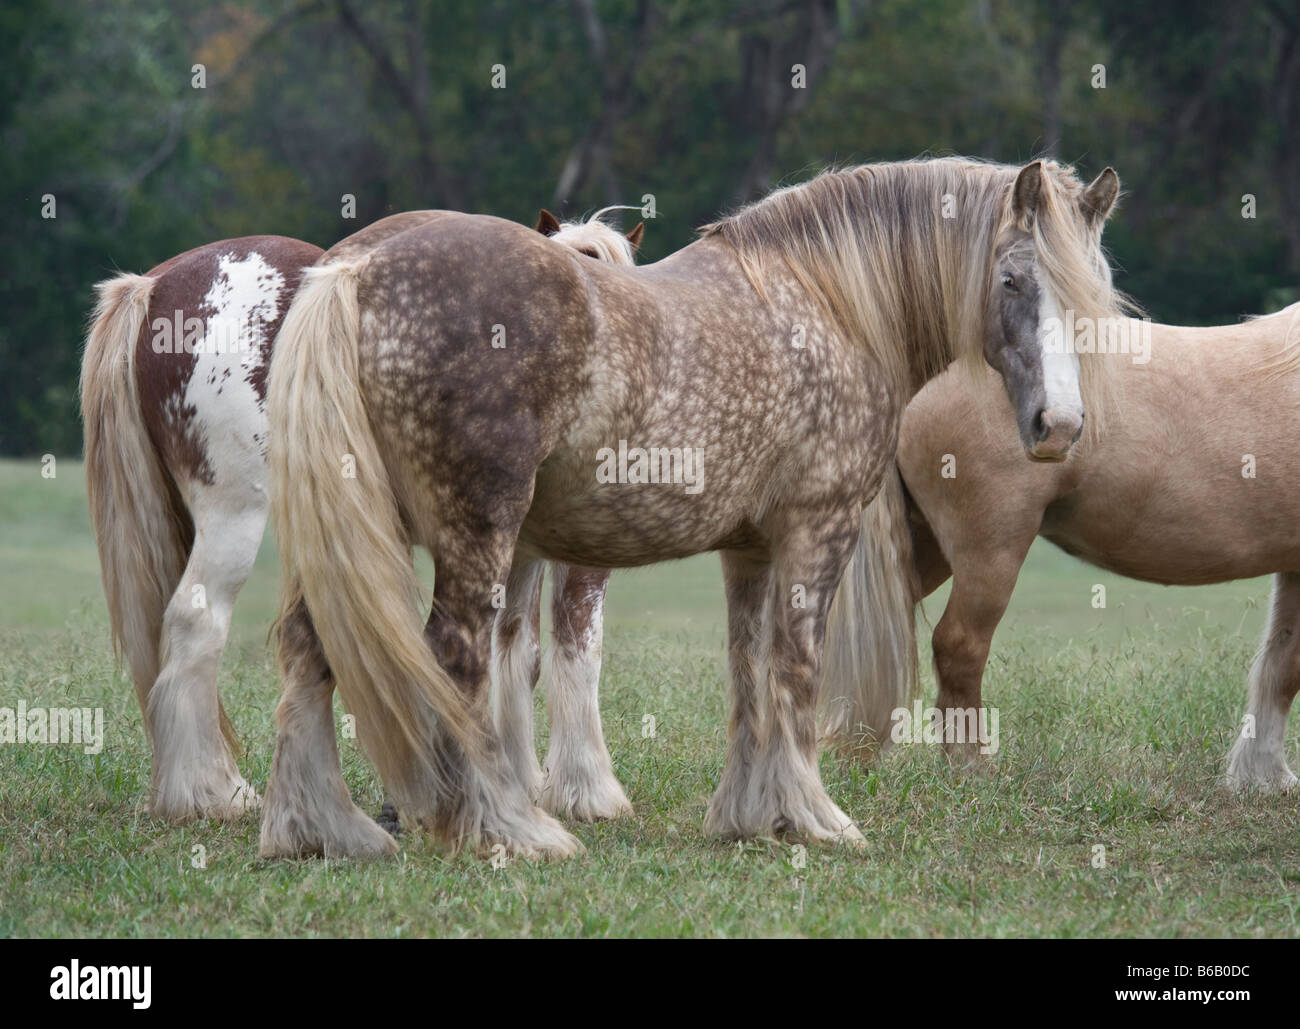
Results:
1115 724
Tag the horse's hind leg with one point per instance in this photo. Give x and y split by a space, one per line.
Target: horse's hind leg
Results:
579 780
487 803
516 661
770 784
194 773
1258 758
308 808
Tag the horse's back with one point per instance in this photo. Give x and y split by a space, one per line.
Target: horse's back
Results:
276 250
495 258
377 233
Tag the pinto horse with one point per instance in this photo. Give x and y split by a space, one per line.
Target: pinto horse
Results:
1192 482
477 390
174 405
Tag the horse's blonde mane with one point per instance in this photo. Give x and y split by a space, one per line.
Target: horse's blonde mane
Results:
608 243
906 282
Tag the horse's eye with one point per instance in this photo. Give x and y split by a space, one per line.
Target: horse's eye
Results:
1009 283
588 252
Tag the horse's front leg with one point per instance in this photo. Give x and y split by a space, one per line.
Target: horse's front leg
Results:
982 582
771 784
579 780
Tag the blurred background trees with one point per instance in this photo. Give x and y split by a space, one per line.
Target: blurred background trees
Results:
392 102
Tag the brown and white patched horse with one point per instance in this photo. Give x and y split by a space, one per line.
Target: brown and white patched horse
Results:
174 405
173 397
473 388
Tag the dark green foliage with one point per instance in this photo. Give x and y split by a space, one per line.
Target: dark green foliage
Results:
392 102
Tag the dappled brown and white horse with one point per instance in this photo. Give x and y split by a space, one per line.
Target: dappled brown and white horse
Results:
1192 482
174 406
476 389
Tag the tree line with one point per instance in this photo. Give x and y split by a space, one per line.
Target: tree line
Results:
131 130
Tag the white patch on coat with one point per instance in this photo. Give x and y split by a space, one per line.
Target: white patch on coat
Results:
229 416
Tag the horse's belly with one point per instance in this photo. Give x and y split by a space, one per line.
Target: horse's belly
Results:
622 525
1179 547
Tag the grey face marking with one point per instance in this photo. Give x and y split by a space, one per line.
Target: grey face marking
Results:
1012 346
1024 336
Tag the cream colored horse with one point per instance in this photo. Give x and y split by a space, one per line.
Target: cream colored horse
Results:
1192 482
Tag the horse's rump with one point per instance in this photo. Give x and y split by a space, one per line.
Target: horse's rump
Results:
214 309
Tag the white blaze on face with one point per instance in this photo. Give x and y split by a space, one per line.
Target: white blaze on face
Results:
1060 362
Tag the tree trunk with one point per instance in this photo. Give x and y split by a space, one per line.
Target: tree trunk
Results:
1049 76
1286 109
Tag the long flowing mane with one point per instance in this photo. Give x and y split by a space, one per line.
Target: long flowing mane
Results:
902 254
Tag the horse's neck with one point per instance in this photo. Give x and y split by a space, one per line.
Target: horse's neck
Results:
713 270
698 260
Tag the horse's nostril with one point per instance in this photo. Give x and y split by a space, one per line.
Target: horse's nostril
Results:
1079 431
1041 428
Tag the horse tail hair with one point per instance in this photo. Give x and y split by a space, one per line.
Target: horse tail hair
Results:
142 530
871 664
344 546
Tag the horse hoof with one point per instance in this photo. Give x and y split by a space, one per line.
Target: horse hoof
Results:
388 819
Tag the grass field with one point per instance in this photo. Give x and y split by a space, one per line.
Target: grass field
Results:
1115 725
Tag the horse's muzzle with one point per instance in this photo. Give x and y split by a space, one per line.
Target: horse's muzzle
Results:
1055 431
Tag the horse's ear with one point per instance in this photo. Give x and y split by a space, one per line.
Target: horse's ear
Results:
547 223
1099 198
1025 193
634 237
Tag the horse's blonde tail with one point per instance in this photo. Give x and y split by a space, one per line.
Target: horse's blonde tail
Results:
871 666
142 532
343 544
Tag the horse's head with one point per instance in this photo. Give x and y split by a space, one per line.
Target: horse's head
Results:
1048 271
593 237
